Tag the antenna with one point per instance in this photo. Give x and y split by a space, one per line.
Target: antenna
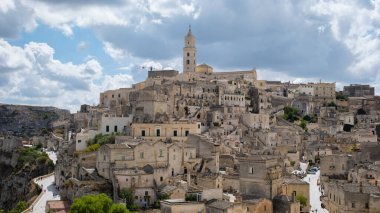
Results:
150 68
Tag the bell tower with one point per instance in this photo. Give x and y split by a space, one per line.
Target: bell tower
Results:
189 53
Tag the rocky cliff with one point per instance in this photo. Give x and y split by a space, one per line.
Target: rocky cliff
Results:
29 121
18 168
18 164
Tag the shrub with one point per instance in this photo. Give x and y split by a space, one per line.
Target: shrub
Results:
302 199
20 207
92 148
100 203
191 197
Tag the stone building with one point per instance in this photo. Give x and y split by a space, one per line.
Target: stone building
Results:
336 164
297 187
82 137
341 196
260 176
115 124
180 205
175 131
358 90
162 73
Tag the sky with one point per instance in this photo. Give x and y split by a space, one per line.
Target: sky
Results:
63 53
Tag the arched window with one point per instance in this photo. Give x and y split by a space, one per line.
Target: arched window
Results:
187 61
188 54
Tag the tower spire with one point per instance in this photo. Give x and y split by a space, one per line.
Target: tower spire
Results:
189 33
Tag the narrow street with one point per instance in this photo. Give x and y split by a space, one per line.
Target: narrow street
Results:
315 193
48 188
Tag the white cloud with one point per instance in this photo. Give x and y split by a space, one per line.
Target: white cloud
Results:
357 27
34 76
6 5
115 53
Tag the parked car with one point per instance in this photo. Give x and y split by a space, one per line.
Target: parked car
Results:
311 171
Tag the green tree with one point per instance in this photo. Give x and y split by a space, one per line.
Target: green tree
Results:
302 199
290 114
100 203
118 208
128 195
303 125
20 207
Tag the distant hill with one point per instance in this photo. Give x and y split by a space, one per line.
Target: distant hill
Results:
22 120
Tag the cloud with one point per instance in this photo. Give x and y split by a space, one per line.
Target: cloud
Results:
115 53
34 76
15 18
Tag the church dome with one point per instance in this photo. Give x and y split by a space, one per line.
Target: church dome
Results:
204 68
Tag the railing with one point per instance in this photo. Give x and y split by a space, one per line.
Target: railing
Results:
30 208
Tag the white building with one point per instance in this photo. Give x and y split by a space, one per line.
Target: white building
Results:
112 124
82 137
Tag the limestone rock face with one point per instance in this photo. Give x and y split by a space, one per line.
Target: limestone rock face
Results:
29 121
16 184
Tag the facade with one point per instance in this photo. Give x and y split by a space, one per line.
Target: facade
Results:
115 124
297 187
180 205
344 197
260 176
162 73
162 131
82 137
358 90
336 164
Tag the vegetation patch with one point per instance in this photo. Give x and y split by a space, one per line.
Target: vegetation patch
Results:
100 203
32 156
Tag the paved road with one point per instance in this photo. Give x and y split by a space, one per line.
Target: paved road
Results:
48 188
315 193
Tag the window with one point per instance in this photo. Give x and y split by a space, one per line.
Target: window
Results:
107 128
141 155
161 179
119 95
199 126
366 205
115 128
250 171
175 133
187 61
79 141
104 157
146 193
143 133
161 155
113 96
188 54
352 205
158 132
186 132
